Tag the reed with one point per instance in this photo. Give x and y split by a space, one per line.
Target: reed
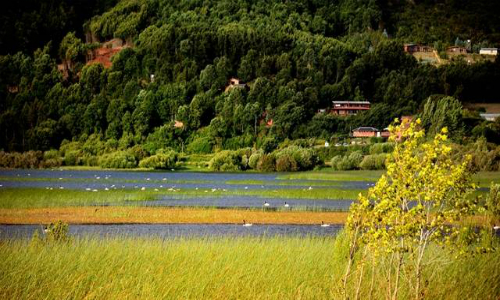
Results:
216 268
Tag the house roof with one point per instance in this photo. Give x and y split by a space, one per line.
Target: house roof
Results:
487 116
366 129
351 102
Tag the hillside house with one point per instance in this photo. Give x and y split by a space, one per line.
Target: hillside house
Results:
412 48
104 53
488 51
234 83
489 116
345 108
363 132
456 50
13 89
385 133
178 124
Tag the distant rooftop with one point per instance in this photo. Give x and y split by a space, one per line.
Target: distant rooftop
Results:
351 102
369 129
489 117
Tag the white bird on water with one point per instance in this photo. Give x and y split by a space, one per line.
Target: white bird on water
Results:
323 224
266 204
245 224
286 205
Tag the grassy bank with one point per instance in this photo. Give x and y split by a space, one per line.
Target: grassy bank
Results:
225 268
162 215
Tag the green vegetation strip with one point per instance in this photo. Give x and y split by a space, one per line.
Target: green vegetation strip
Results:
331 175
484 179
285 182
34 197
220 268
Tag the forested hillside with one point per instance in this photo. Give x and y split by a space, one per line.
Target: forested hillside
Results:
295 57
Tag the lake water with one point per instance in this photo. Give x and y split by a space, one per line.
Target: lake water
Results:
168 231
104 179
127 179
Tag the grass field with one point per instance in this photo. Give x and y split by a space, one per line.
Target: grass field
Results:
220 268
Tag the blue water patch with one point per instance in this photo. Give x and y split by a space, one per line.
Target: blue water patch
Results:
169 231
102 179
247 202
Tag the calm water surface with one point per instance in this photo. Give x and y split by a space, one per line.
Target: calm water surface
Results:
166 231
104 179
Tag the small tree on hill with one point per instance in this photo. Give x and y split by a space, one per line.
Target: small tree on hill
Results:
420 200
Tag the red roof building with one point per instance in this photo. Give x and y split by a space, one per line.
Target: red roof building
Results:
365 132
345 108
411 48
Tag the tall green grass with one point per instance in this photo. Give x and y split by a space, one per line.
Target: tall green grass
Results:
217 268
36 197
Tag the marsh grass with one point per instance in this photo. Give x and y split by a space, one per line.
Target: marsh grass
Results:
36 197
217 268
332 175
163 215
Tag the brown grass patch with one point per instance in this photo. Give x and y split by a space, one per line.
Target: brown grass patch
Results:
113 215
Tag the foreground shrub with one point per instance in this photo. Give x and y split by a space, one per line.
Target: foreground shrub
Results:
373 162
26 160
351 162
138 152
297 158
118 160
51 159
226 160
200 145
163 159
286 163
71 157
57 232
381 148
266 163
254 159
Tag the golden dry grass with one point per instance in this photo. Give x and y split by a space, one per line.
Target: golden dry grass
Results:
131 215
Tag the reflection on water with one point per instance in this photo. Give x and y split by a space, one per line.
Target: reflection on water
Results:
167 231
